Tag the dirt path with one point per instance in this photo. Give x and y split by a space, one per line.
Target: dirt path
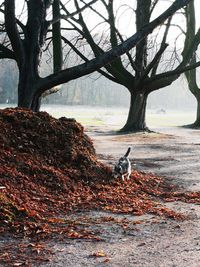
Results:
171 152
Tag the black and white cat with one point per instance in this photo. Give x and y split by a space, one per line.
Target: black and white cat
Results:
123 167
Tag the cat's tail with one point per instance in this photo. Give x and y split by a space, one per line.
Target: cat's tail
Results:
128 152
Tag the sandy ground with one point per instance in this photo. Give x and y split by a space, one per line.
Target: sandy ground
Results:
156 242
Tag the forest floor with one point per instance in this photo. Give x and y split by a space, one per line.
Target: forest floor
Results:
141 241
144 241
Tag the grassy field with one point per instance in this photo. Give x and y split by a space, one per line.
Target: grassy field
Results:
116 117
171 118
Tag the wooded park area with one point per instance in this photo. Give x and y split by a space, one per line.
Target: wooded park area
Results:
60 204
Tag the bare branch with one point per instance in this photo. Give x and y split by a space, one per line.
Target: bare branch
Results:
12 31
71 15
102 60
161 50
77 51
153 5
171 74
6 53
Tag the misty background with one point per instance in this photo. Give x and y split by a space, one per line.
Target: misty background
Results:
95 90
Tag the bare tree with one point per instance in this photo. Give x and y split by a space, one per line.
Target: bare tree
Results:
25 41
140 69
192 37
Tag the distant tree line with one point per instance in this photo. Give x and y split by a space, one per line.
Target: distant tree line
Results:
8 82
94 90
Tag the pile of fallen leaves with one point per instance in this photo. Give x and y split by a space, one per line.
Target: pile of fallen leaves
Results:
48 167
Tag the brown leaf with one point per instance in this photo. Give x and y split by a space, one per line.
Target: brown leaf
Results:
99 254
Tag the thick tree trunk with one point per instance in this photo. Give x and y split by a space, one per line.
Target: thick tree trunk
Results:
28 51
195 90
196 124
192 74
25 92
136 117
28 77
36 104
27 97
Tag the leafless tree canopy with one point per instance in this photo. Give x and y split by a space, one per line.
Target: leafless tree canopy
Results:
26 35
155 62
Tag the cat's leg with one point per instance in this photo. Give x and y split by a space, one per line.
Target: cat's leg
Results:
128 175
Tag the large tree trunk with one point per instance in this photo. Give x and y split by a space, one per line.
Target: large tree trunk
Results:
36 29
192 74
36 103
196 124
195 90
28 77
27 97
26 90
28 50
136 117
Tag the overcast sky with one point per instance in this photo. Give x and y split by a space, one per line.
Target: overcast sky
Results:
125 16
